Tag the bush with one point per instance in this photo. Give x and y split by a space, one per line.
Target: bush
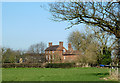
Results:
60 65
22 65
8 65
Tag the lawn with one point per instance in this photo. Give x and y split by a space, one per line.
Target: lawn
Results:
54 74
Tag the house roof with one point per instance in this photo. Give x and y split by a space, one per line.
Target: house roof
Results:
52 48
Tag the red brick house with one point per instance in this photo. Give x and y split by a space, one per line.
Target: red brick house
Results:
58 53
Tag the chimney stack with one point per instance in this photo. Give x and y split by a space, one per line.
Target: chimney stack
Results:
50 44
69 47
61 44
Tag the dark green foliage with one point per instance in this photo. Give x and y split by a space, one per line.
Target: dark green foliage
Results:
60 65
21 65
106 57
37 65
101 75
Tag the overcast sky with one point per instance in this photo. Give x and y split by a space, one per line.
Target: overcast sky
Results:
24 24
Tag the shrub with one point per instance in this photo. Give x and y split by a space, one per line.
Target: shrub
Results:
60 65
22 65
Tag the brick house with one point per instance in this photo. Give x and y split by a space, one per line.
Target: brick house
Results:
58 53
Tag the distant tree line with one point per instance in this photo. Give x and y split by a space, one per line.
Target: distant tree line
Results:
34 54
95 47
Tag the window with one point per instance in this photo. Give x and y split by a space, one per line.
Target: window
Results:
63 50
53 57
49 57
46 57
64 57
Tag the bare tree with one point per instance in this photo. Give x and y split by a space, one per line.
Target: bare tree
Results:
104 39
106 42
86 44
10 56
90 56
37 48
80 41
102 14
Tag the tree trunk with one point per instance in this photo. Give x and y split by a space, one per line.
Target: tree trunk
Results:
119 59
119 42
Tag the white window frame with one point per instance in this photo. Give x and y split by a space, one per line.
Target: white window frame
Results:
46 57
63 50
53 57
64 57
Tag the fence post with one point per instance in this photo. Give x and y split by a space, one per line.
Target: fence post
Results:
110 70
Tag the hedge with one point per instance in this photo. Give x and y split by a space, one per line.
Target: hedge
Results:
38 65
60 65
23 65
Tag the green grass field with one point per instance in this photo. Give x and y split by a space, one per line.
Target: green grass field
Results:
54 74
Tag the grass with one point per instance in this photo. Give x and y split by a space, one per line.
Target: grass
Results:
54 74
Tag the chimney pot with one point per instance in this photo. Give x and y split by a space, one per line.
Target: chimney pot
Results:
61 44
50 44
